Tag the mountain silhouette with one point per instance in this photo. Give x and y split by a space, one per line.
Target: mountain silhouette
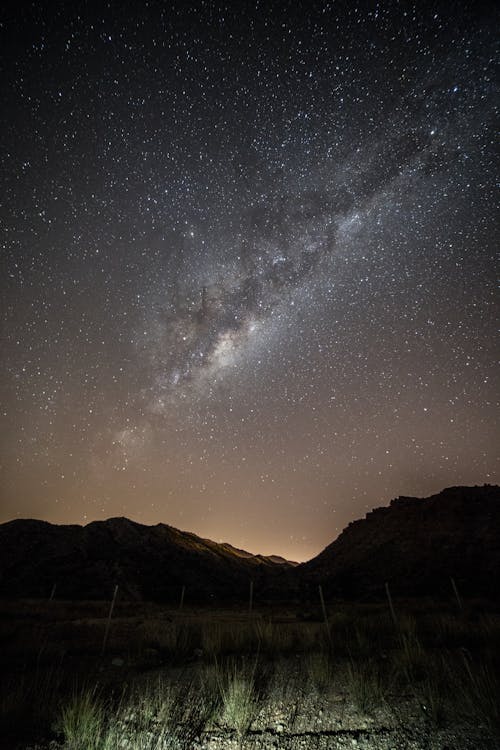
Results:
415 545
146 562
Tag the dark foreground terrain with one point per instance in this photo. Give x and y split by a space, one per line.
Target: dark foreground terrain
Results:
425 676
387 640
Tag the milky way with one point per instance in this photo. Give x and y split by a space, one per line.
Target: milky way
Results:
249 256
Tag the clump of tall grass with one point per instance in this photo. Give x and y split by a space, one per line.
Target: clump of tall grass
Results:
365 684
410 658
82 721
287 689
262 636
219 638
449 631
213 639
319 667
362 637
432 687
174 640
281 638
30 701
425 674
359 644
156 702
158 634
238 696
269 639
146 719
477 693
154 716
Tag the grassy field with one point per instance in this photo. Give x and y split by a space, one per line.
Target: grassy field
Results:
430 677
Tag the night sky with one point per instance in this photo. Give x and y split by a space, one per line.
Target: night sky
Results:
248 262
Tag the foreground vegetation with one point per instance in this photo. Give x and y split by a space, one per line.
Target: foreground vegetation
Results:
201 679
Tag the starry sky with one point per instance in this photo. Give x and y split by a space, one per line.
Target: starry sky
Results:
248 262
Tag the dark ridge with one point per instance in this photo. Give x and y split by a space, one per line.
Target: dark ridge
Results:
147 562
415 545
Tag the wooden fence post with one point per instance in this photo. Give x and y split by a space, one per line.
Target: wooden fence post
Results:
106 632
325 616
389 599
457 595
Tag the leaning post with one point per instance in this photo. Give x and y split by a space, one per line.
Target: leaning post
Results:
106 632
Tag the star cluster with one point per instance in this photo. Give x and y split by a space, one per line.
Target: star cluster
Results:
248 262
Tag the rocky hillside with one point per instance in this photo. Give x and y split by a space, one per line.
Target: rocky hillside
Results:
416 545
147 562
